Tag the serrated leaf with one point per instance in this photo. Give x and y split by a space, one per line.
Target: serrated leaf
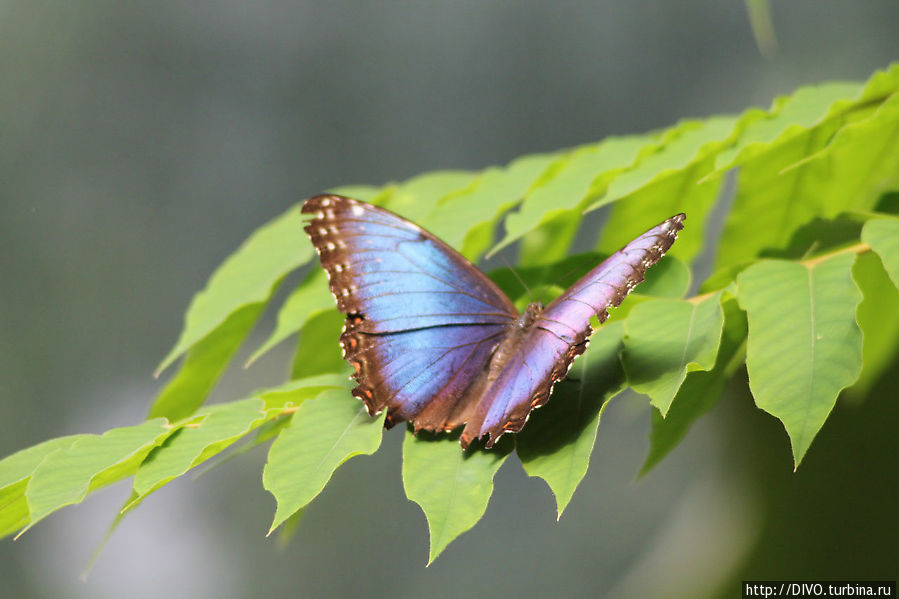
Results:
67 475
417 197
466 219
204 365
882 234
309 299
452 486
700 390
20 465
293 393
324 433
571 182
221 425
878 317
830 158
665 183
769 204
670 277
789 117
558 440
247 277
15 472
859 163
804 344
685 144
666 339
660 200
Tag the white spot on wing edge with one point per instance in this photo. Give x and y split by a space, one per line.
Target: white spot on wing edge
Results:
357 210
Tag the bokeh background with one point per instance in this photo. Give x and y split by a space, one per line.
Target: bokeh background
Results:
141 142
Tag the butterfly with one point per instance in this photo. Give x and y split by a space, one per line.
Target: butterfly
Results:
434 341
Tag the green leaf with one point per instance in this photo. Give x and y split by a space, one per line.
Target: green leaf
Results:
452 486
67 475
310 299
665 183
293 393
770 202
670 277
417 197
789 117
15 472
204 365
878 317
247 277
466 219
858 164
319 350
558 440
700 390
683 147
824 150
882 235
665 339
325 432
571 182
221 425
804 344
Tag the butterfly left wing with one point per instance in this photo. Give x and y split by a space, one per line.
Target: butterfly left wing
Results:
422 321
560 333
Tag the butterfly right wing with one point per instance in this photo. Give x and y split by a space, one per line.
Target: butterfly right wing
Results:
560 334
422 321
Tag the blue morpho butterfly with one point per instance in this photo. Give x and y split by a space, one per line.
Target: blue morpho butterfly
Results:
434 341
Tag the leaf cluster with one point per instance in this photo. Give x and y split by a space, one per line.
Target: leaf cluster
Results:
803 288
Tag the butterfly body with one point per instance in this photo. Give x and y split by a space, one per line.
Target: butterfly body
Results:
434 341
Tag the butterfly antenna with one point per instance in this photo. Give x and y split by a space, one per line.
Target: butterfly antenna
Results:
520 280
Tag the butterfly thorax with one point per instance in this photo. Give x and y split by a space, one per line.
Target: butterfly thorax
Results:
514 337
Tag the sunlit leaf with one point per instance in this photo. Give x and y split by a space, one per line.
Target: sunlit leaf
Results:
67 475
452 486
558 440
804 344
417 197
466 219
571 182
700 389
319 349
666 339
15 472
325 432
665 183
882 235
221 425
823 150
878 317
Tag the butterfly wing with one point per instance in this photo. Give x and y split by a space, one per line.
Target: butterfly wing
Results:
422 321
559 334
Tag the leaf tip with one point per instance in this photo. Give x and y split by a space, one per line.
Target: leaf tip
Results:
166 362
23 531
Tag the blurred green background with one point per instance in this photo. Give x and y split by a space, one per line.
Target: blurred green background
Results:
141 142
